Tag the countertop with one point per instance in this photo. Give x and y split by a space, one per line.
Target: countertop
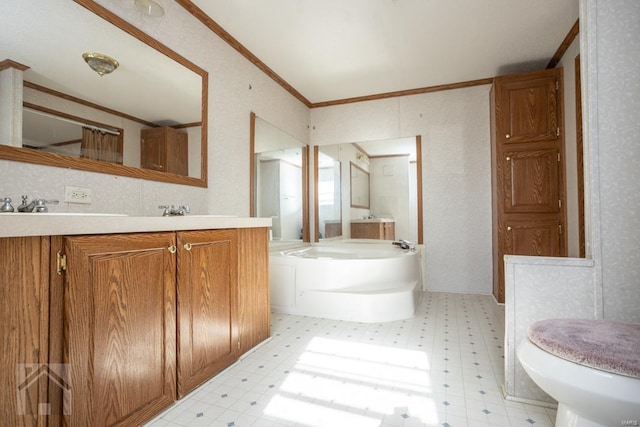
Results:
373 220
57 224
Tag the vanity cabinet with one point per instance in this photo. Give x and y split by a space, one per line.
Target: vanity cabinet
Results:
382 230
112 329
120 327
165 149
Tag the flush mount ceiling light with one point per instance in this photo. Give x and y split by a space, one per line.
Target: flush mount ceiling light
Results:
101 64
150 8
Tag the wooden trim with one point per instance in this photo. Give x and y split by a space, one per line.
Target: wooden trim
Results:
8 63
562 49
27 155
306 233
389 155
71 117
419 188
408 92
80 101
231 41
580 159
252 164
316 191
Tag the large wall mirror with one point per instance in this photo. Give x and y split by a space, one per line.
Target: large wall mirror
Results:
279 171
146 119
388 174
328 192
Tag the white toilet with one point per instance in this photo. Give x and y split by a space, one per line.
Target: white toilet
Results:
593 373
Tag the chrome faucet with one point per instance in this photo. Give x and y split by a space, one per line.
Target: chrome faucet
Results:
405 244
36 205
6 205
170 210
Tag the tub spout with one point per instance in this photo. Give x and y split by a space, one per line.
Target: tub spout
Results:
405 244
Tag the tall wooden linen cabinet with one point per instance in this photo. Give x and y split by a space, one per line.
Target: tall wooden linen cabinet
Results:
528 172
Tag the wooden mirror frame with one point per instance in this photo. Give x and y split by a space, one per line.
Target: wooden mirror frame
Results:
28 155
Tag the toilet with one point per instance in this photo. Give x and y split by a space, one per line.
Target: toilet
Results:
591 367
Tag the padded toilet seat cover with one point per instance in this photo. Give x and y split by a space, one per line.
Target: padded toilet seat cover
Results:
601 344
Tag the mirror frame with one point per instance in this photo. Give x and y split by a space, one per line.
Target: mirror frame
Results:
306 234
418 190
28 155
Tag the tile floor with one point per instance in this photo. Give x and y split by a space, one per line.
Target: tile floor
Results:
444 367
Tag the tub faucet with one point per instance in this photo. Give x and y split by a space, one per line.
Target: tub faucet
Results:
36 205
405 244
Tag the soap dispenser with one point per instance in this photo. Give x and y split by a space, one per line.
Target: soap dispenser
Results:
6 205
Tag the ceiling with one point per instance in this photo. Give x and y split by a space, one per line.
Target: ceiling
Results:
337 49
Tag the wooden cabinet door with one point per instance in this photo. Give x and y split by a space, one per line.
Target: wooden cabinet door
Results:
531 181
528 171
253 287
120 327
152 152
207 305
24 280
529 109
532 238
177 152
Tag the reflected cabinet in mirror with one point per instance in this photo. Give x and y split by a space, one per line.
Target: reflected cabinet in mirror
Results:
144 117
383 190
279 181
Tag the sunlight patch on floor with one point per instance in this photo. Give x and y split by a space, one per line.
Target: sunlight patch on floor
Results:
337 382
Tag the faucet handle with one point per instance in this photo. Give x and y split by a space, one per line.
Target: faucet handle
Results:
166 211
6 205
185 209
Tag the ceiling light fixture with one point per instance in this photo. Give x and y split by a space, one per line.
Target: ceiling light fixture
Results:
150 8
101 64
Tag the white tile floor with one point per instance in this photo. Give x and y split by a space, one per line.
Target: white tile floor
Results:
444 367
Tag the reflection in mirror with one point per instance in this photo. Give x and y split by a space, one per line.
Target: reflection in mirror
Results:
395 184
359 187
328 181
279 169
72 117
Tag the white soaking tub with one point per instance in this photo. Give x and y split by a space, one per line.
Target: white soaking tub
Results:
355 280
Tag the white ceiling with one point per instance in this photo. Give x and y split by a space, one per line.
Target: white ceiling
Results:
336 49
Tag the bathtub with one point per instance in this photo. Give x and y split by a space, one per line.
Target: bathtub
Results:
352 280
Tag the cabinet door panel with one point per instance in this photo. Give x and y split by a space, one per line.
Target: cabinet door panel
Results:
533 238
531 111
120 314
531 181
207 301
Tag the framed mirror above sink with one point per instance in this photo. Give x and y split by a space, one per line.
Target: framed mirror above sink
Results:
279 181
135 121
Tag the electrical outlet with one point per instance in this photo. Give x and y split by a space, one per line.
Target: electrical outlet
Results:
77 195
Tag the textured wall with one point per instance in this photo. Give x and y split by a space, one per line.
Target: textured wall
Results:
456 157
613 48
230 102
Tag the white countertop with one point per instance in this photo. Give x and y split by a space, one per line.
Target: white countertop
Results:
55 224
374 220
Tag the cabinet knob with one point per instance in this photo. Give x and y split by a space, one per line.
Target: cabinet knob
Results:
508 159
187 246
508 136
172 249
508 228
